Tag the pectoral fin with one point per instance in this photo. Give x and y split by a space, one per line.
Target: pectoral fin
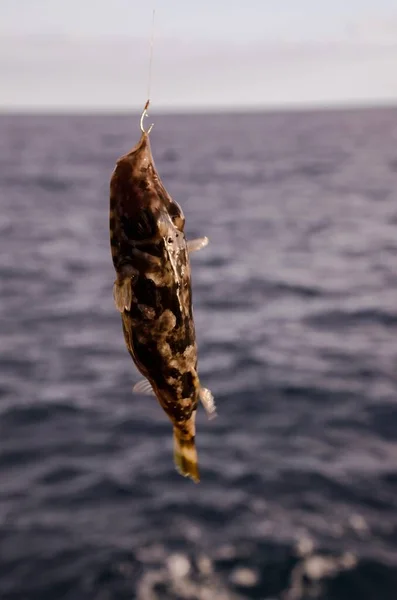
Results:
122 294
197 244
207 400
144 388
122 287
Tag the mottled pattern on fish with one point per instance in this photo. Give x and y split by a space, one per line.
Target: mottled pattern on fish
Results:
153 292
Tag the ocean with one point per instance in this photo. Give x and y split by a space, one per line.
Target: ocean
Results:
295 303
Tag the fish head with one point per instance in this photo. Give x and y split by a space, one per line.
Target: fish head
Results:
142 205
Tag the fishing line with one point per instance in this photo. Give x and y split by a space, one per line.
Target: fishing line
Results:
145 113
151 56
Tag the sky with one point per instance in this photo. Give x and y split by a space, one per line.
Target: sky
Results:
93 55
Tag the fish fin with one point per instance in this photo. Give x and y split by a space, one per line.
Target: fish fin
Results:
122 294
143 387
197 244
185 455
207 400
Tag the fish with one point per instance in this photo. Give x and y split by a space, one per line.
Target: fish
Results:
152 292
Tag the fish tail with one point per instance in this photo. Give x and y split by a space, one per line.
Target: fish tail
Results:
185 455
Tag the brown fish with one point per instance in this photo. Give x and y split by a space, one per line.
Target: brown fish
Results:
152 291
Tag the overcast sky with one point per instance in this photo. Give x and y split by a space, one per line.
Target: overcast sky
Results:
94 54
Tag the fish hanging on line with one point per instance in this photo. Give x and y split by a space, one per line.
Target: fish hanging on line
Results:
152 291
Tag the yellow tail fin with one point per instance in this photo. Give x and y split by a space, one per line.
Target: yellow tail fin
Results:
185 455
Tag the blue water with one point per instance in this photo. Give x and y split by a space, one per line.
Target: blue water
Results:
295 304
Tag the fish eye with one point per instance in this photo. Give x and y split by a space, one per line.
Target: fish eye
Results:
179 223
176 215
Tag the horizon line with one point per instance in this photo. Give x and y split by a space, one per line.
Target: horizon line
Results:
198 110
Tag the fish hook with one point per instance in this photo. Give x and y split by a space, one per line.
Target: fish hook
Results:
143 115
